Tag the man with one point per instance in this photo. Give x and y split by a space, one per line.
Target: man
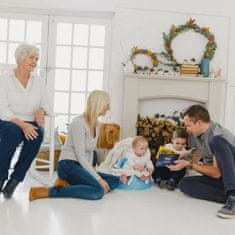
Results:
216 148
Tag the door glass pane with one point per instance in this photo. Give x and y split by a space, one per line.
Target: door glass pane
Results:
77 103
80 34
62 78
63 55
3 52
33 31
11 52
95 80
61 101
96 58
97 36
79 57
78 80
16 30
64 33
3 29
40 73
61 121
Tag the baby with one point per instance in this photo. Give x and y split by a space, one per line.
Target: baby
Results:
139 160
163 175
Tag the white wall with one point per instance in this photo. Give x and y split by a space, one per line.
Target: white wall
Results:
211 9
143 28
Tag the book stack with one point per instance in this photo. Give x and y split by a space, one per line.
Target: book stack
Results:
189 70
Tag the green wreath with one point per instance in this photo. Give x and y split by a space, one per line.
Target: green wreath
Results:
136 51
190 25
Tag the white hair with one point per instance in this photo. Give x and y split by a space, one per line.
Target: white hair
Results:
24 49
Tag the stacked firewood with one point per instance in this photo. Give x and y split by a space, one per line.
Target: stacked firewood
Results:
158 130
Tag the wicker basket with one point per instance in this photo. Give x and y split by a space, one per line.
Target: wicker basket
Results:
45 156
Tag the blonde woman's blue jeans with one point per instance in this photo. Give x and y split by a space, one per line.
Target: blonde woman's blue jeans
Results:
83 184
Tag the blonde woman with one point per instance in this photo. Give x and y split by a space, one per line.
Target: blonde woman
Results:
77 177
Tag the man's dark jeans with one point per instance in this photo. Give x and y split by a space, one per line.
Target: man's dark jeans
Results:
209 188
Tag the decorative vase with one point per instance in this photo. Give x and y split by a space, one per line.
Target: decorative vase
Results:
205 68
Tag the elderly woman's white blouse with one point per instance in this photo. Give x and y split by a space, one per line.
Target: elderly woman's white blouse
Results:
19 102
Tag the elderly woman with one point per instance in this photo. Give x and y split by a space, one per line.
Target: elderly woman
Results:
23 104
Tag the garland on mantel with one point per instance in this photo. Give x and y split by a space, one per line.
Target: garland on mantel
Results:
136 51
190 25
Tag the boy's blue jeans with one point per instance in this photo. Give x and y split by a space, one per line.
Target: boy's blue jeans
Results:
10 137
83 185
208 188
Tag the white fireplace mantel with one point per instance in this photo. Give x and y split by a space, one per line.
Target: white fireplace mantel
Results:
137 87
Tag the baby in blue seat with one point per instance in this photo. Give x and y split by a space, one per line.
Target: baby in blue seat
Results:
138 160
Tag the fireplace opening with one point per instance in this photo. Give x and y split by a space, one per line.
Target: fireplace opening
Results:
158 129
207 91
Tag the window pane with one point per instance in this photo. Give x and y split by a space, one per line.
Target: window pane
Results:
95 80
16 31
78 80
3 29
61 121
96 58
62 78
64 33
11 53
79 57
61 101
77 103
3 51
97 36
33 33
39 72
72 117
80 34
63 55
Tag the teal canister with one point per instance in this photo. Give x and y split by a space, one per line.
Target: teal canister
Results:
205 67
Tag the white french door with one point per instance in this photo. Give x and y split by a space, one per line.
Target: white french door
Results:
74 56
78 62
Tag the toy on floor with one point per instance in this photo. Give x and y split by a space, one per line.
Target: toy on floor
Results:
108 136
133 182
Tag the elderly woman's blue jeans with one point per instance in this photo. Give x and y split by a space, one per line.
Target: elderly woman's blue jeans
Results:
208 188
83 184
10 137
